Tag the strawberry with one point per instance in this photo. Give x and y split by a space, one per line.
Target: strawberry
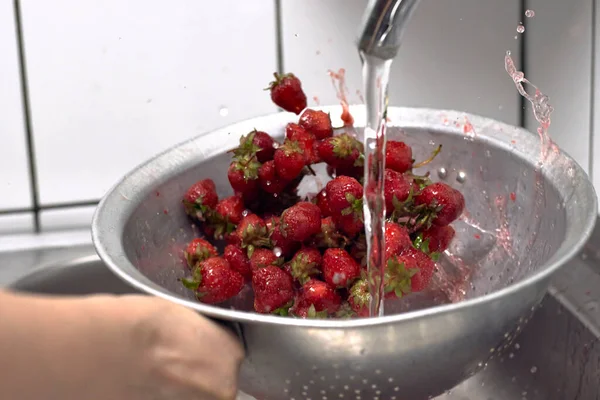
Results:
316 300
306 141
199 250
243 177
286 92
399 271
306 263
289 160
286 245
444 203
397 188
264 257
214 281
252 232
329 235
323 203
339 268
344 192
344 195
360 298
200 199
231 209
238 260
426 267
317 123
301 221
396 239
269 181
438 238
265 144
273 290
341 151
398 156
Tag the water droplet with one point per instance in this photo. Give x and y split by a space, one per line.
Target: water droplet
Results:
533 369
530 13
245 213
277 251
517 345
296 35
461 177
223 111
511 355
508 53
521 28
442 173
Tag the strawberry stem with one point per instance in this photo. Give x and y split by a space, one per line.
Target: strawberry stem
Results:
430 159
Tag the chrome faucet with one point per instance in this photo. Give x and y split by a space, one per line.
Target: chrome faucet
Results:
382 27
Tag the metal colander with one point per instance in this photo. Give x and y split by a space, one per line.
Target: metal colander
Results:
521 223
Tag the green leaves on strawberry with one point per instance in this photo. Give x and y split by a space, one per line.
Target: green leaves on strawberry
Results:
398 274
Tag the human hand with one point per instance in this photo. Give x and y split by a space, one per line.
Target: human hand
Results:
164 351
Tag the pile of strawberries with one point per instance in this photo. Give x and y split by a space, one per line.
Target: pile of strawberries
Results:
306 257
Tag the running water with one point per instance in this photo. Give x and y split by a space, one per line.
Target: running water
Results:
375 80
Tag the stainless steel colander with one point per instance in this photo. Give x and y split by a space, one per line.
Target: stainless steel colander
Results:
522 223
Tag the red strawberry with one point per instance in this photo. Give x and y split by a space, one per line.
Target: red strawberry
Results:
199 250
289 160
255 144
323 203
286 92
316 300
264 257
273 290
306 141
269 181
214 281
316 122
445 202
396 189
360 298
243 177
231 209
265 143
399 272
238 260
344 192
252 232
339 268
306 263
329 235
438 238
425 265
344 195
286 245
341 151
396 239
301 221
200 199
398 156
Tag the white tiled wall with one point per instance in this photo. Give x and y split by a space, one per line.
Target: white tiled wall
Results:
16 192
111 83
559 62
452 56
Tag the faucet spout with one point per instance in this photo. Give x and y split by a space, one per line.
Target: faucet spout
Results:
383 24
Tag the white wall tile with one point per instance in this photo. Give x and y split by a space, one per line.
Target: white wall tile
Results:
112 82
18 223
452 56
559 51
15 191
67 218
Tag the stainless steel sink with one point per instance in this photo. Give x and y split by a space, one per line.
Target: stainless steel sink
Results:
554 356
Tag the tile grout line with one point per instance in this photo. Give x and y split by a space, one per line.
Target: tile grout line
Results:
522 103
33 178
50 207
279 37
592 93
